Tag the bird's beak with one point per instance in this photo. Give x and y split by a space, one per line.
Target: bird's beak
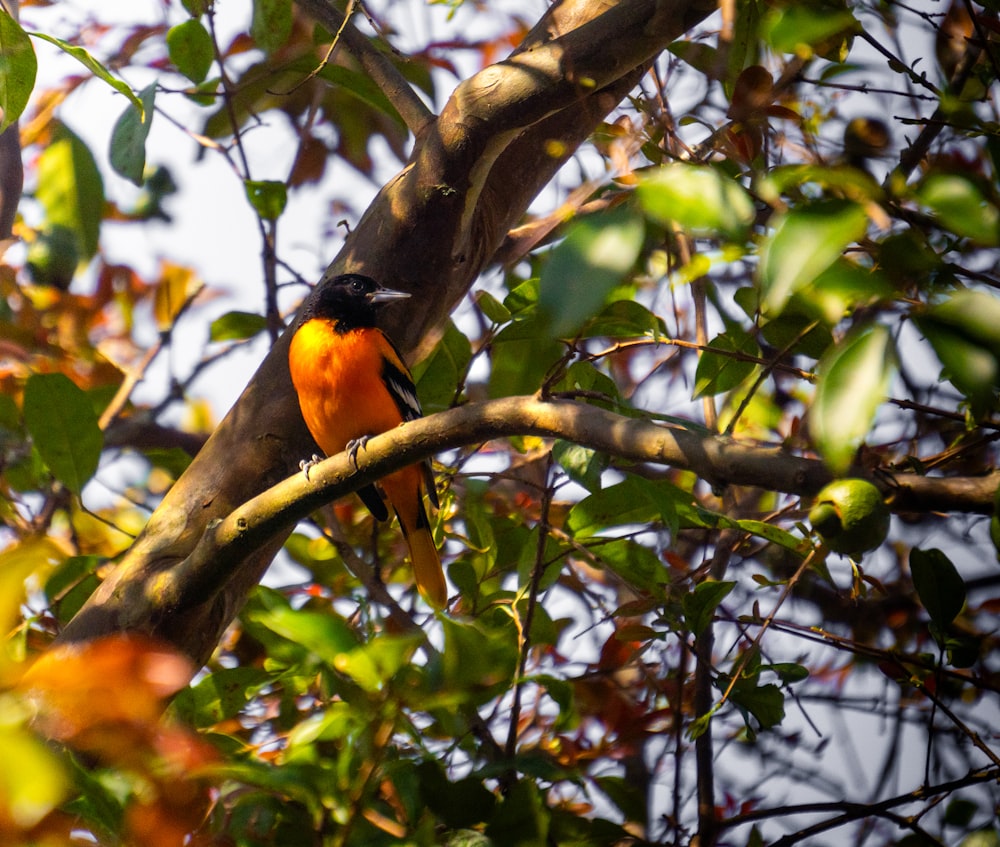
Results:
385 295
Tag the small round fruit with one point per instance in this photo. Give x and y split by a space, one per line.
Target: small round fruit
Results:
851 516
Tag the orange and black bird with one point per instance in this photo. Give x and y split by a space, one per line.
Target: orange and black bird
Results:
352 383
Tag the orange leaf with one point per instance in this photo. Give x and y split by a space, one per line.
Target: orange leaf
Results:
113 681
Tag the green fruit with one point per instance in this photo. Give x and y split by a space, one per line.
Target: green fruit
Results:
851 516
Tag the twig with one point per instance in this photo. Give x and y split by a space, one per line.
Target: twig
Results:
524 627
849 812
912 156
376 64
351 6
785 591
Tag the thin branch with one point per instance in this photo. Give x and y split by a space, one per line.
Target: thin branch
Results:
375 64
734 677
348 12
915 152
849 812
524 627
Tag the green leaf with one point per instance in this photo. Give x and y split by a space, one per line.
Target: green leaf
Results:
70 188
439 376
938 583
632 501
271 23
220 695
701 56
190 48
700 198
583 465
63 426
362 87
789 672
974 314
128 138
495 311
959 206
774 534
373 664
91 64
522 354
765 702
700 605
964 331
720 372
237 326
972 368
960 812
805 241
624 319
636 564
267 196
798 27
324 635
523 298
853 381
478 660
18 67
594 257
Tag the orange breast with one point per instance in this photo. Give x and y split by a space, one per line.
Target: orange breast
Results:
338 377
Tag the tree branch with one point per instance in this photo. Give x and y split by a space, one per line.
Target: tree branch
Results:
196 579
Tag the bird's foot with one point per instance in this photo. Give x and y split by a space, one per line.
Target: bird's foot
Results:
354 445
307 465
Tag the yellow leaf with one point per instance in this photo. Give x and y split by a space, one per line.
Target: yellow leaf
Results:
176 286
32 779
17 563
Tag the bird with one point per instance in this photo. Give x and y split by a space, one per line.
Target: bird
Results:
352 383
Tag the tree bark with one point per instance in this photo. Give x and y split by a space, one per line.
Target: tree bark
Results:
430 231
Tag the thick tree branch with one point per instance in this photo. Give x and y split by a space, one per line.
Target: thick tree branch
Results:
205 573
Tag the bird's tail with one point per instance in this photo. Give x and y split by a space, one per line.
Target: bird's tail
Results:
405 491
427 570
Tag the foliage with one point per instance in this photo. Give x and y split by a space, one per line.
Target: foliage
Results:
631 655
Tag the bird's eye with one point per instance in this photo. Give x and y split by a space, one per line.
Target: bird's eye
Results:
358 286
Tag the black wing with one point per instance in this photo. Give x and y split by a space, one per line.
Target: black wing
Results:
404 395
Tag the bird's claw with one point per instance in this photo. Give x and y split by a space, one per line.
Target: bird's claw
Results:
353 446
307 465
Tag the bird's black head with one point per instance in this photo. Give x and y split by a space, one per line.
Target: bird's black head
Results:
351 300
